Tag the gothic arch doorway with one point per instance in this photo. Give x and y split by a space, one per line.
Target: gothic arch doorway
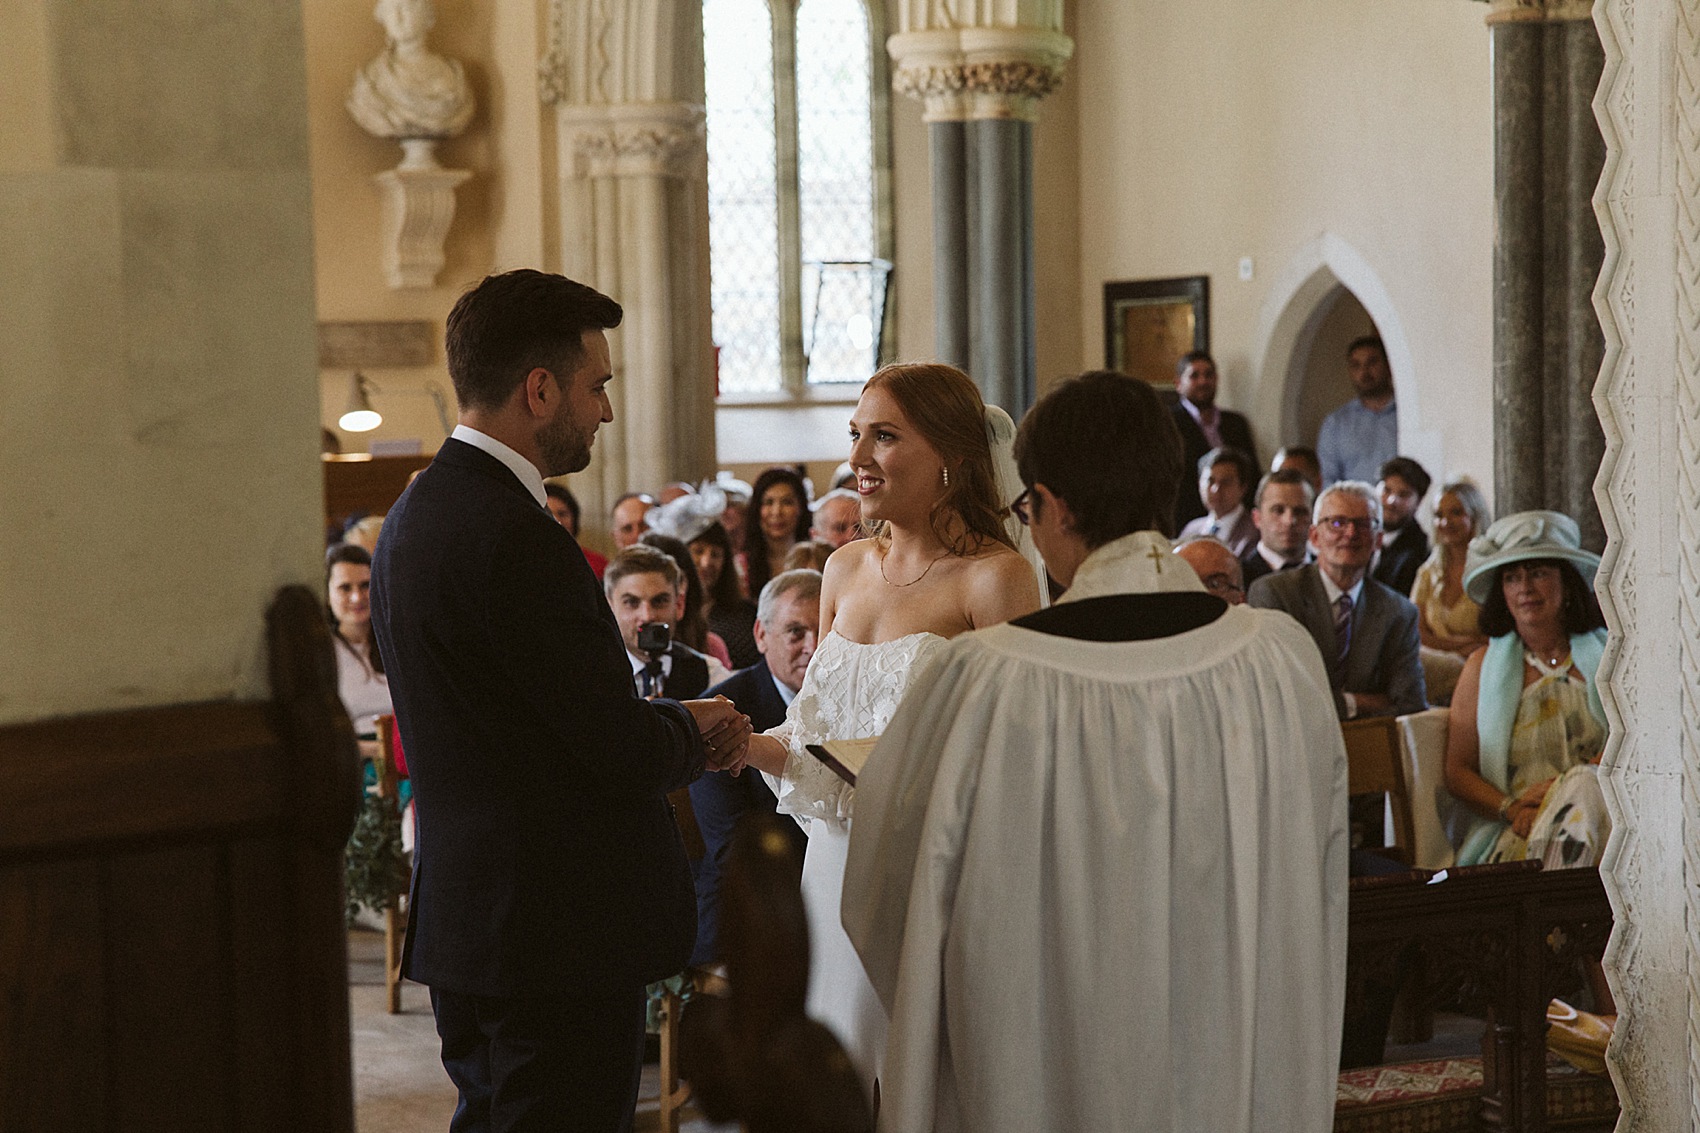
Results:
1326 295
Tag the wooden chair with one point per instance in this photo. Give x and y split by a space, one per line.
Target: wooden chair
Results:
395 915
1375 765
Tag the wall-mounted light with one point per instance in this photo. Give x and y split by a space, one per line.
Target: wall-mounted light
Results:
359 417
362 417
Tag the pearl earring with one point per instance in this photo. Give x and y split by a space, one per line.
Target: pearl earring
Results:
946 473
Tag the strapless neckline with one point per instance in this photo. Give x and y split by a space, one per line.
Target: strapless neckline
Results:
833 632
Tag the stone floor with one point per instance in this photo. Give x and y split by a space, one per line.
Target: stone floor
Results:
399 1084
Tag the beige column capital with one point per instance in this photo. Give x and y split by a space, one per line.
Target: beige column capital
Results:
657 139
1538 11
978 72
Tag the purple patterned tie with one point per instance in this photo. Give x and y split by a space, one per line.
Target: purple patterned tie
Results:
1342 629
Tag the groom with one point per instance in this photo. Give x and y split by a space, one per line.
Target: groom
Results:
549 882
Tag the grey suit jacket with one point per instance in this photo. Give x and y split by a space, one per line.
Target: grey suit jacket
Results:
1383 657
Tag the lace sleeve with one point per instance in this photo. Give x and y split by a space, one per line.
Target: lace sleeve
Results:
809 788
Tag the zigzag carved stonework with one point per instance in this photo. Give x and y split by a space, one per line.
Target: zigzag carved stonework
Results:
1622 867
1685 53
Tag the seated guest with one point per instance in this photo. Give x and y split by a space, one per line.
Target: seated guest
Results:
1526 731
1366 633
1403 485
690 625
643 586
786 626
360 680
837 518
1092 889
810 554
1216 567
731 616
1302 458
672 490
1447 616
779 505
625 519
563 505
1282 518
1225 475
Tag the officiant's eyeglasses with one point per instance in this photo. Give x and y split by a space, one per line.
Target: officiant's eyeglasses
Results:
1019 507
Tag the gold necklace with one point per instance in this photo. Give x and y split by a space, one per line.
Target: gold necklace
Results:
923 574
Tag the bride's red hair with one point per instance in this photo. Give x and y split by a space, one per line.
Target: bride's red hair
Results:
945 407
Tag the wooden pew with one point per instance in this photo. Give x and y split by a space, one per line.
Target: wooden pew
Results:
1505 937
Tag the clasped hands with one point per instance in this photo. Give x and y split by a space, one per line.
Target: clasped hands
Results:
1524 809
725 732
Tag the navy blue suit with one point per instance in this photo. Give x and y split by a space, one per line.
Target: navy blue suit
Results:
548 868
720 798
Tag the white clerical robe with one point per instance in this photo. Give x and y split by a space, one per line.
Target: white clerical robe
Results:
1102 885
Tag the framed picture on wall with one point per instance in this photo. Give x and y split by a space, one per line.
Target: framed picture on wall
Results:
1150 323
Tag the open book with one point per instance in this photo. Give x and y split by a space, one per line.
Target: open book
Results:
845 757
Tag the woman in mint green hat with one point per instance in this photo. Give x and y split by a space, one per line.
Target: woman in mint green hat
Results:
1526 729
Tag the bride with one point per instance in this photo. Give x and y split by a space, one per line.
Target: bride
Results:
926 452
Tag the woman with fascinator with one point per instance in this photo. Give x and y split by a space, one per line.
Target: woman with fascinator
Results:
1526 727
935 473
697 520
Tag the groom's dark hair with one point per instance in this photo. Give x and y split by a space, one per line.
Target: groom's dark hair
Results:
1105 444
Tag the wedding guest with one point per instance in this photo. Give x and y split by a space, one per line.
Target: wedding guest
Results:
1225 475
360 679
1302 458
626 518
1366 633
786 635
810 554
730 615
1363 434
690 624
1404 546
563 505
780 502
1204 426
1448 618
1282 518
1215 566
837 518
1527 729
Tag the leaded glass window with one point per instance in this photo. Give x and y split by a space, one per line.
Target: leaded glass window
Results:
797 243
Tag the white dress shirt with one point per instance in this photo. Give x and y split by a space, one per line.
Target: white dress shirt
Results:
517 464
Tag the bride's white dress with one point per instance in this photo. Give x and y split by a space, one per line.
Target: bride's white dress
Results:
850 691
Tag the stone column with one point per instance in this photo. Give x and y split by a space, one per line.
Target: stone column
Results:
1548 155
980 70
631 220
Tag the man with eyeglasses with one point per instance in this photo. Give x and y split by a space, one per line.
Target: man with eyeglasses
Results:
1366 632
1214 563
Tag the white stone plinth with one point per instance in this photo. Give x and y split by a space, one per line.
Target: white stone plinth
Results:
419 206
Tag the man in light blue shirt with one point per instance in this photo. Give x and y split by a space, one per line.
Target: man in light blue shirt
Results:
1363 434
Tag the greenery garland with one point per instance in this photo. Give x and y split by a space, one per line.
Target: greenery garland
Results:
375 865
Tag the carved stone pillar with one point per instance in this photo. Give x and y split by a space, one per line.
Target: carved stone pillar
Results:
631 220
1547 346
980 70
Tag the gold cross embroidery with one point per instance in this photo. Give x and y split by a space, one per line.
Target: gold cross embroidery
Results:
1157 559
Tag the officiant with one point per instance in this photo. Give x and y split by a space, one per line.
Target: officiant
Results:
1098 871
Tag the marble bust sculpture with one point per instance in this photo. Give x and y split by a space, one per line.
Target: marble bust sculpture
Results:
408 91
